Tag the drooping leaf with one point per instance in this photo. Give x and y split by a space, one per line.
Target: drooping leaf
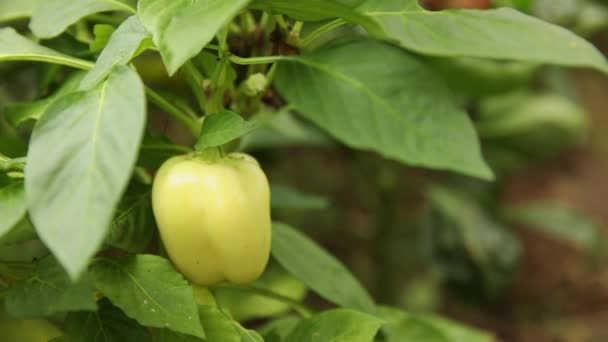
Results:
49 290
108 324
52 17
501 33
181 28
374 96
14 47
148 289
223 127
13 206
129 39
73 191
337 325
317 269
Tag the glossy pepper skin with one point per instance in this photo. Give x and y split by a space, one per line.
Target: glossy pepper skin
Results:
213 215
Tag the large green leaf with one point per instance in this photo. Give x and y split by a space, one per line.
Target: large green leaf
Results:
109 324
129 39
12 206
181 28
14 47
72 192
11 9
52 17
315 10
338 325
148 289
403 326
375 96
319 270
501 33
49 290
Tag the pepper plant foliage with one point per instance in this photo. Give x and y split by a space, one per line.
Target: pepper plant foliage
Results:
363 72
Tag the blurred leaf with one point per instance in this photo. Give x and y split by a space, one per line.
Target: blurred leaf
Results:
25 251
501 33
337 325
559 221
13 10
278 329
283 129
154 150
102 34
284 197
14 47
223 127
244 305
133 227
27 330
52 17
181 28
13 206
49 290
469 245
109 324
74 190
319 270
129 40
403 326
22 231
479 77
18 113
404 112
148 289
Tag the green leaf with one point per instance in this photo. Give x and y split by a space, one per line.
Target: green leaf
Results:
403 326
287 198
218 328
22 231
501 33
148 289
52 17
278 329
181 28
109 324
129 39
337 325
13 10
221 128
319 270
73 191
20 112
316 10
49 290
245 305
102 34
133 226
558 220
14 47
374 96
13 206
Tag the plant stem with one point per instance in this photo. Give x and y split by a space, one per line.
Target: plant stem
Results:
281 21
255 60
195 80
172 110
325 28
300 308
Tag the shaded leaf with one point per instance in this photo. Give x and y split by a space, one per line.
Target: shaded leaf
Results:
102 34
285 197
148 289
13 206
337 325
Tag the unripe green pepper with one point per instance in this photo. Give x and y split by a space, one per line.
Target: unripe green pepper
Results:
213 214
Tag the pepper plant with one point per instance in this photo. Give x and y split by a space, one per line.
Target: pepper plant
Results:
123 85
